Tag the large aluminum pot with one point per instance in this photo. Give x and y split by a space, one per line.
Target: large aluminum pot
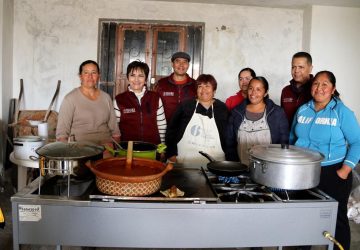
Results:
60 158
285 167
25 146
114 177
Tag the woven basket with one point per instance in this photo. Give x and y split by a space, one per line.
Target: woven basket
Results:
128 188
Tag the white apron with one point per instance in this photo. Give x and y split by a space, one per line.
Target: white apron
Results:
201 134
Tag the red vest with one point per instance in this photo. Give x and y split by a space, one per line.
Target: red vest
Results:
138 121
292 98
172 94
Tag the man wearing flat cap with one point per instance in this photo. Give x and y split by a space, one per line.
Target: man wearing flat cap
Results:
178 86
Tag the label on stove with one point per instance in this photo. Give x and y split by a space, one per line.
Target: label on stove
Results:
29 212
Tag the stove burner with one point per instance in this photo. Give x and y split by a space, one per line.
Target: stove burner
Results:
241 189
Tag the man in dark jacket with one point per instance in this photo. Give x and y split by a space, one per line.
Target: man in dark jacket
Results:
298 91
177 87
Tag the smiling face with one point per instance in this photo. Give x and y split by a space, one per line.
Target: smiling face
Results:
205 92
89 76
300 70
137 80
256 91
180 66
244 80
322 89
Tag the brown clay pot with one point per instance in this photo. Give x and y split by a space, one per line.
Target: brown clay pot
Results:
143 178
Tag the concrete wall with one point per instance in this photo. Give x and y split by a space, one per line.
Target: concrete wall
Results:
51 39
335 45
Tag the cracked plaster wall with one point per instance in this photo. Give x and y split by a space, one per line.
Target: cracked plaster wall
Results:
51 39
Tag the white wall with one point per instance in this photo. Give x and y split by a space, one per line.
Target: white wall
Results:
6 42
335 46
51 39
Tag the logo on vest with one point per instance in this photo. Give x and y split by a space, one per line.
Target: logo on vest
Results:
196 130
289 99
128 111
168 94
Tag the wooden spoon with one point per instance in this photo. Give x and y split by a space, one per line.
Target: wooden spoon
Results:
129 154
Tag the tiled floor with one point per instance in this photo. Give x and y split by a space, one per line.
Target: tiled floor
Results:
6 233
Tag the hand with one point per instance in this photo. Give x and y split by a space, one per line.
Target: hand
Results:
344 171
172 158
107 152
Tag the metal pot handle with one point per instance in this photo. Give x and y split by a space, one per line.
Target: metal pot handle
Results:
261 163
207 156
34 158
161 148
42 166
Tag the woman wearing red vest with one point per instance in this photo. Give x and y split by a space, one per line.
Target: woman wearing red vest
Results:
142 115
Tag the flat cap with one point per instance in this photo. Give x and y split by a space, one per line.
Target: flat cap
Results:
180 54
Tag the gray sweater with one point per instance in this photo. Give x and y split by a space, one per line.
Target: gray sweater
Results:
86 119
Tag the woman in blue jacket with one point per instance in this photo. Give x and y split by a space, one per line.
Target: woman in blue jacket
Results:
326 125
257 120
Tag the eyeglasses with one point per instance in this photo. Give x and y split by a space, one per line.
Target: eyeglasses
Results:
248 78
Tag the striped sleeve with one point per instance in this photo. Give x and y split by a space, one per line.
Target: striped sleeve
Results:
161 121
117 111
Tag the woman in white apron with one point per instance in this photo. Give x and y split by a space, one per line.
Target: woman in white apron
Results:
198 125
257 120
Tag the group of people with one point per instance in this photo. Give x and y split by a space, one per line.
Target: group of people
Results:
184 114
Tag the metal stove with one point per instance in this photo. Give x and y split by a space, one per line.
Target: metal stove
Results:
214 213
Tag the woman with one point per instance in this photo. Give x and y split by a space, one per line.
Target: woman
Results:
257 120
87 113
198 125
326 125
142 115
244 77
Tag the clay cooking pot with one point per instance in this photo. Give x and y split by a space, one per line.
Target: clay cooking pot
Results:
143 178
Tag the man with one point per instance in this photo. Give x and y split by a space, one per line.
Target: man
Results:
177 87
298 91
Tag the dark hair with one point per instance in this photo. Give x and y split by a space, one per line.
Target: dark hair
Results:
206 78
137 65
252 72
88 62
264 82
303 54
330 75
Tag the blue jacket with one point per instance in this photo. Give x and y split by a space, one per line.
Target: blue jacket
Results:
332 131
275 117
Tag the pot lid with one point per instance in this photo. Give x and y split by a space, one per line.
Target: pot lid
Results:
29 138
70 150
286 154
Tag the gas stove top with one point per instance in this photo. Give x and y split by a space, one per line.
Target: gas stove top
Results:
198 186
242 189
